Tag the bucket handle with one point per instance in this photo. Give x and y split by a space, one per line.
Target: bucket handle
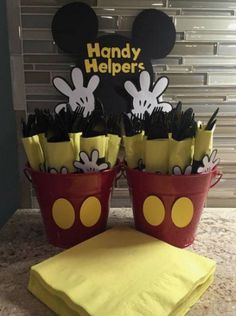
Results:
217 174
27 174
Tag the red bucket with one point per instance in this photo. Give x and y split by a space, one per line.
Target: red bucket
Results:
169 207
74 207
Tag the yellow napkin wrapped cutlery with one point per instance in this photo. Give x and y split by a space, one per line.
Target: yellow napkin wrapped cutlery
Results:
33 151
113 146
156 155
134 149
60 155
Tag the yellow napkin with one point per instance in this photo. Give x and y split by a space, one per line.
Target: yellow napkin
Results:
181 153
60 155
122 272
88 144
134 149
113 146
75 139
43 141
33 151
203 144
156 155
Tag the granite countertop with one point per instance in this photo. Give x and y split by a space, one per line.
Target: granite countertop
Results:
23 243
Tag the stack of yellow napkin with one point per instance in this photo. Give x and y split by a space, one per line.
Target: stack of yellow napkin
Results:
122 272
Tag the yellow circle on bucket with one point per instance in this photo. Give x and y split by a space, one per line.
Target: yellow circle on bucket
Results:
63 213
182 212
90 211
153 210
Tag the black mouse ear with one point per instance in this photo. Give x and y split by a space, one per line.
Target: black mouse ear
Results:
74 25
154 32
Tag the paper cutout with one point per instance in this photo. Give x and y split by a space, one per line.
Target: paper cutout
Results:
177 171
154 32
153 210
79 96
63 170
115 58
209 162
146 100
63 213
90 211
90 164
73 25
182 212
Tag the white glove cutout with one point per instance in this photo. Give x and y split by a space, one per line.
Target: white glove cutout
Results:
209 163
80 96
146 100
179 172
63 170
90 165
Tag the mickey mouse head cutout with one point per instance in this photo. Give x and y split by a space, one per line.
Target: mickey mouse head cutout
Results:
113 58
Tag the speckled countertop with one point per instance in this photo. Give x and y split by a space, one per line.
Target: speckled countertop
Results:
23 243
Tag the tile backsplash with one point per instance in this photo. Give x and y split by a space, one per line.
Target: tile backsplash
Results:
201 66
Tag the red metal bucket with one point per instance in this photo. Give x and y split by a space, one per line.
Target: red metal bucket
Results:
169 207
74 207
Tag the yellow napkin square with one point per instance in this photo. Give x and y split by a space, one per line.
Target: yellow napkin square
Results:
122 272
